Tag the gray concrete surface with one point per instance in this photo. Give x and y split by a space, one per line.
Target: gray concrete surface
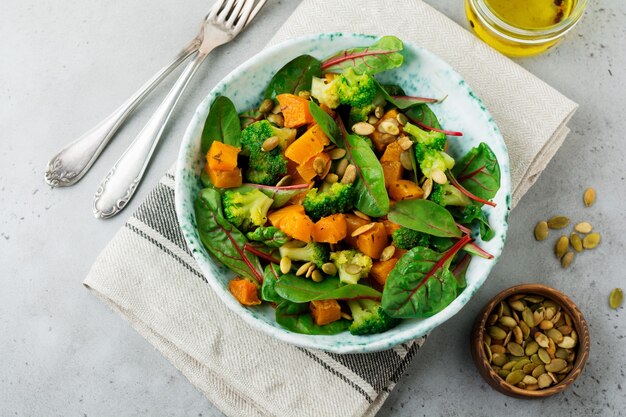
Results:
64 65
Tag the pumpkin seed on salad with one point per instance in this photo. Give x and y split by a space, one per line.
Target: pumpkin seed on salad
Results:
334 200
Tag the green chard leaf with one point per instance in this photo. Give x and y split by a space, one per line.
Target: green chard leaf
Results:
297 318
403 101
248 117
474 215
384 54
222 239
422 115
280 195
479 172
222 124
325 122
421 284
295 76
424 216
268 291
301 290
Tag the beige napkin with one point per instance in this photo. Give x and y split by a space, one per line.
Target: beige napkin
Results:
149 277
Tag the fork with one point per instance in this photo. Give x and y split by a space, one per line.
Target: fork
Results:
225 21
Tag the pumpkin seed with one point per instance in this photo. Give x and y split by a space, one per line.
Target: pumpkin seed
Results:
535 359
509 365
372 119
534 298
386 139
551 349
405 160
549 313
319 165
558 222
583 227
496 333
574 335
285 265
528 317
565 329
567 342
497 348
529 380
389 126
507 338
577 242
363 128
363 229
561 353
353 269
336 153
589 197
556 365
488 352
361 215
487 338
492 319
521 363
561 246
517 305
567 259
515 297
277 119
379 111
331 178
515 349
341 167
529 368
515 377
521 385
591 240
276 109
546 324
503 373
507 321
304 94
544 356
387 253
541 339
309 272
329 268
506 310
531 348
405 143
269 143
402 119
555 335
266 106
541 231
303 269
616 298
518 335
537 316
349 175
499 359
317 276
568 320
427 187
438 176
532 387
540 369
544 381
562 373
525 329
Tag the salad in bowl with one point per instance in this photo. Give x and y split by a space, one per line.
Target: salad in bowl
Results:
339 204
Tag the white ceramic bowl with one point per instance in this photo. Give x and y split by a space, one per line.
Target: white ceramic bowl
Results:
422 74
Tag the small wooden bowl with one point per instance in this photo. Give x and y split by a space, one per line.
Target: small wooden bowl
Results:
482 363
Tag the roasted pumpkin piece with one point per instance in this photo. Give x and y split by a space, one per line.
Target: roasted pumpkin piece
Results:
373 241
330 229
225 179
381 269
353 222
304 148
325 311
392 153
316 132
295 110
244 291
392 172
293 221
307 170
404 190
222 157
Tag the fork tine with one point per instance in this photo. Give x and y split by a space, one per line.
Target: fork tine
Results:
217 6
254 12
235 14
245 14
223 14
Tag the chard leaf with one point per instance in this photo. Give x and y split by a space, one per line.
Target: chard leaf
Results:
384 54
301 290
280 195
222 124
424 216
295 76
401 100
297 318
248 117
268 291
479 172
325 122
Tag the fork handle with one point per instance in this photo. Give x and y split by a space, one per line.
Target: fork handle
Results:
120 184
72 162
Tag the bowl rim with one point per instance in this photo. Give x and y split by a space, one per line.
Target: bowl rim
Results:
497 382
316 341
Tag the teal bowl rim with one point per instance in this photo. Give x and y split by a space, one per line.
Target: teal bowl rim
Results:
314 341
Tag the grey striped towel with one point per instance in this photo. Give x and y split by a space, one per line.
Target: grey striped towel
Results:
147 274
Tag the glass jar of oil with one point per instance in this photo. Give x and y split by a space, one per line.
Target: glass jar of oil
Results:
523 27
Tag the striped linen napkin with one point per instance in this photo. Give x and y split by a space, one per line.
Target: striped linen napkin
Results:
149 277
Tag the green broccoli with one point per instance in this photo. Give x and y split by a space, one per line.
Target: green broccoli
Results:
431 159
431 139
449 195
264 167
325 93
246 208
405 238
338 198
352 265
360 114
311 252
356 90
271 236
369 317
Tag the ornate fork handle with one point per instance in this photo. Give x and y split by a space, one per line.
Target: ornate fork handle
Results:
72 162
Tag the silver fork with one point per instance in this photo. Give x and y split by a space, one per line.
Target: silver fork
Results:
225 21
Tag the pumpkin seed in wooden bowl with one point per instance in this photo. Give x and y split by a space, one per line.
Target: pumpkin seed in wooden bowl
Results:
530 341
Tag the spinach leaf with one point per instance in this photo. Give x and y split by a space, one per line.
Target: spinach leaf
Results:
479 172
460 269
474 215
325 122
402 101
382 55
301 290
296 317
248 117
205 180
268 292
369 187
422 115
221 124
295 76
424 216
393 89
223 239
280 195
421 284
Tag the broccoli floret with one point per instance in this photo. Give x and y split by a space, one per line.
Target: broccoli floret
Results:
369 317
356 90
449 195
246 209
352 265
271 236
264 167
312 252
338 198
431 159
431 139
360 114
405 238
325 93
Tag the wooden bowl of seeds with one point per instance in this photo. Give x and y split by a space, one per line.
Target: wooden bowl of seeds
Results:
530 341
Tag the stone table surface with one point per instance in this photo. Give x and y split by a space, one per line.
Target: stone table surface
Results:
65 65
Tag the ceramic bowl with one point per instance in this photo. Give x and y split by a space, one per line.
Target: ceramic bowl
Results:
578 323
422 74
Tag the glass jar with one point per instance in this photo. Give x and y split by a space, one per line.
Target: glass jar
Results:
514 40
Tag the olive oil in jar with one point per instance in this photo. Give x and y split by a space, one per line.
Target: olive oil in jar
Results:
521 27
